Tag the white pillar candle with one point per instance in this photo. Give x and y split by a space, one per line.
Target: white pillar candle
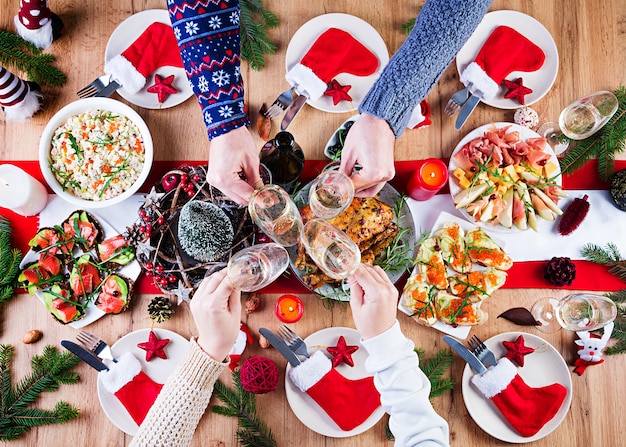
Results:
20 192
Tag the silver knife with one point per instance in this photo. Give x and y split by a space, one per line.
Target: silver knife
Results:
467 355
292 111
84 355
109 89
466 111
281 346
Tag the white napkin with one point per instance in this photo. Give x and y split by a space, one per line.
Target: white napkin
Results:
604 223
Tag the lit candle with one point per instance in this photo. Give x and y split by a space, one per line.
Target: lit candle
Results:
20 192
289 308
428 179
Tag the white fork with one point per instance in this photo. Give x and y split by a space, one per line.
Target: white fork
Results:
293 340
95 345
456 102
280 104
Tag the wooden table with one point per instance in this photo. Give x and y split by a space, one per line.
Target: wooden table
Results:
592 56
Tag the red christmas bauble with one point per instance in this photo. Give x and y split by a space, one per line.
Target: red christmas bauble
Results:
259 375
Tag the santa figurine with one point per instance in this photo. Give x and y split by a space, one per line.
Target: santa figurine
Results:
244 338
37 24
19 99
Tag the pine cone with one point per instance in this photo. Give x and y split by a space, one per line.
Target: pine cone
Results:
560 271
160 309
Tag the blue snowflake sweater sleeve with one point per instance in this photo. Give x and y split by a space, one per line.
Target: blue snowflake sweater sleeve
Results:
207 32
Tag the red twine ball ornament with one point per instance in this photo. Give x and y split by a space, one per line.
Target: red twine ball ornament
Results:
258 375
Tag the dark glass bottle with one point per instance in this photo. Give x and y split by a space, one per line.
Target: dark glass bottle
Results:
284 159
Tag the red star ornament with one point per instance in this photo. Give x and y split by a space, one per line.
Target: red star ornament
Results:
342 353
338 92
516 350
162 87
154 347
516 89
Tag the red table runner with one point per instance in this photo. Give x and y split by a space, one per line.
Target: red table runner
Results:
524 275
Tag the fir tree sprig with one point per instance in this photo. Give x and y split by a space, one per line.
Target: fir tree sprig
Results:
239 403
609 256
49 370
434 368
22 55
603 145
255 43
10 259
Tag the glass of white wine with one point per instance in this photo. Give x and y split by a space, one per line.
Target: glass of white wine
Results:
276 214
331 192
330 248
257 266
577 312
586 116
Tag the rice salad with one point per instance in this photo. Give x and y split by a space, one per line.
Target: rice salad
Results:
97 155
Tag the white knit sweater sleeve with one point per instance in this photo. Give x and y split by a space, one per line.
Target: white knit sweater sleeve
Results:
404 390
173 418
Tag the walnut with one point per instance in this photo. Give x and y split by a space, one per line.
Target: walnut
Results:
263 343
252 303
31 336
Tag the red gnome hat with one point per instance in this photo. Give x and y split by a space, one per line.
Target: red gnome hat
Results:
334 52
19 99
37 24
504 52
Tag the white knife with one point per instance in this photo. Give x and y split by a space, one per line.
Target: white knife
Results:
292 111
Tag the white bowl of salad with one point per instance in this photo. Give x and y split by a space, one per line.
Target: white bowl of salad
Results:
95 152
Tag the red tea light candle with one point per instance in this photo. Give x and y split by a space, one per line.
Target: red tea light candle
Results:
289 308
428 179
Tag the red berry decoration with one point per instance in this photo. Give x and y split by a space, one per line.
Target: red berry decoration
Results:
573 215
154 347
338 92
169 182
259 375
516 90
162 87
342 353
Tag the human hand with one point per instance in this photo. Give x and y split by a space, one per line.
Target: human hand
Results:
216 310
373 299
232 153
370 143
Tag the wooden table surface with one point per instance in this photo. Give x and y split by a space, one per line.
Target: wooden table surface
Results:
590 37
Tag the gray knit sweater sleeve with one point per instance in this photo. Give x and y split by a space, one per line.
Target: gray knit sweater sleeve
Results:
441 29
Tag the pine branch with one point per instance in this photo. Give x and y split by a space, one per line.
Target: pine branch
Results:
255 43
252 431
20 54
49 371
10 259
434 368
609 256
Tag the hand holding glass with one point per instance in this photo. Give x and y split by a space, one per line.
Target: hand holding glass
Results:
275 213
578 312
330 194
257 266
330 248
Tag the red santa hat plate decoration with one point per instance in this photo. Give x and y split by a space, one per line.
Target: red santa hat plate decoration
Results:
336 47
508 44
19 99
501 400
36 23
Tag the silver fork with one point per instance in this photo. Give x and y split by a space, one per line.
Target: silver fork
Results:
280 104
95 87
456 101
95 345
481 351
293 340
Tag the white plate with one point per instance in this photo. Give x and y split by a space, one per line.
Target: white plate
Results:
306 409
539 81
123 36
543 367
459 331
92 313
360 30
525 133
157 369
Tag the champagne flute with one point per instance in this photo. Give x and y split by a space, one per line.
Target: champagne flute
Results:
276 214
255 267
330 194
586 116
330 248
577 312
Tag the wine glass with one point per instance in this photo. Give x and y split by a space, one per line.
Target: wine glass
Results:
587 115
331 192
255 267
330 248
276 214
577 312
